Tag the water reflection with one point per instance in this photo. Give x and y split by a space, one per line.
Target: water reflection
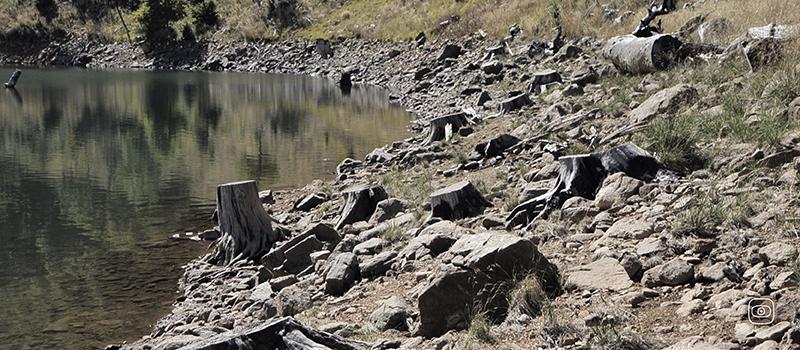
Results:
96 168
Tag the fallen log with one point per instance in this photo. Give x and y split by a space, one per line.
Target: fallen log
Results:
460 200
582 175
12 82
281 333
246 227
635 55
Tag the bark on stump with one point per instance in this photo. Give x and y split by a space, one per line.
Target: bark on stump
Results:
458 201
582 175
245 225
636 55
360 202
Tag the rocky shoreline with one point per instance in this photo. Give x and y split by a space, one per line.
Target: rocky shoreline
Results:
620 268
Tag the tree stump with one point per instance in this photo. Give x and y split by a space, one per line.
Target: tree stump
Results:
631 54
360 202
582 175
442 128
12 82
245 225
460 200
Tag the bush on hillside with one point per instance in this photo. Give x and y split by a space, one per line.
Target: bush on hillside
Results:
48 9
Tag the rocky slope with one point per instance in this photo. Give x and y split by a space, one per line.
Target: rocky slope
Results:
680 259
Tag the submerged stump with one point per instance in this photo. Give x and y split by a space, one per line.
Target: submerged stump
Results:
12 82
246 227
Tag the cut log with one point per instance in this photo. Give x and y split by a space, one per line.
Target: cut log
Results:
460 200
582 175
442 128
281 333
636 55
12 82
543 78
246 227
360 202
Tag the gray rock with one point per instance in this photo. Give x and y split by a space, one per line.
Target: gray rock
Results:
703 343
293 300
650 246
392 314
266 197
616 189
450 51
606 273
629 227
718 272
778 253
377 265
298 256
427 245
282 282
310 202
673 273
784 280
492 67
774 332
262 292
370 246
666 101
342 273
691 307
387 209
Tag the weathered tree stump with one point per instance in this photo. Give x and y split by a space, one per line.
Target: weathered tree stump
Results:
245 225
442 128
460 200
360 202
515 103
582 175
631 54
12 82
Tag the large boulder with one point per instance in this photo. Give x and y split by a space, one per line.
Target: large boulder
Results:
482 267
392 314
666 101
387 209
427 245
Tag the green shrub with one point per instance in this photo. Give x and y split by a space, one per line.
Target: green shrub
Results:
206 16
48 9
705 213
674 141
156 18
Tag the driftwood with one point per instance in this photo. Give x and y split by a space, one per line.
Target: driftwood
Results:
460 200
442 128
246 227
360 202
631 54
654 10
12 82
281 333
582 175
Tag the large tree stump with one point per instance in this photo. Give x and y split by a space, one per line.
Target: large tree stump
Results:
631 54
245 225
12 82
360 202
460 200
582 175
442 128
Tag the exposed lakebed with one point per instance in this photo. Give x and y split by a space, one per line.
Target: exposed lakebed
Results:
98 168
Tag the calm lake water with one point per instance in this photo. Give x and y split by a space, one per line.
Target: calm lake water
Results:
98 168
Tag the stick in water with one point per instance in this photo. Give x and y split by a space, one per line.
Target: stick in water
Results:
13 81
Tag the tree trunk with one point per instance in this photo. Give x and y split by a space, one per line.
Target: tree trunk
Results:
460 200
442 128
245 225
635 55
124 25
582 175
360 202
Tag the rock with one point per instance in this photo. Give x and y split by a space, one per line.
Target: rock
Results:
584 76
360 203
347 166
673 273
725 299
299 255
718 272
421 73
496 146
483 98
279 283
377 265
450 51
387 209
743 330
616 189
460 200
392 314
629 228
266 197
515 103
774 332
650 246
485 261
427 245
310 202
262 292
784 280
778 253
691 307
370 246
342 274
714 31
666 101
567 52
543 78
492 67
703 343
605 273
176 342
768 345
293 300
763 52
